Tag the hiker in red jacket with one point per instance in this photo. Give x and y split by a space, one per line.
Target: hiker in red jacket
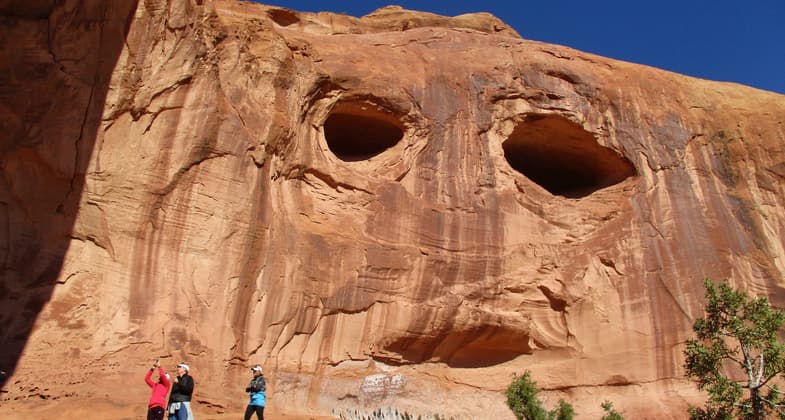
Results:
157 405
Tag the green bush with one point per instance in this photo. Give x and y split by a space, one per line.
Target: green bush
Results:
610 413
525 405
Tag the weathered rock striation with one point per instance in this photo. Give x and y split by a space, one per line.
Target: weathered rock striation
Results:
399 210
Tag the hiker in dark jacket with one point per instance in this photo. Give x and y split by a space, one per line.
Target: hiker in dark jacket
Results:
180 398
256 389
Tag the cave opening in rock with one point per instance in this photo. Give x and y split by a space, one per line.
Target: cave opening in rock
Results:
361 130
476 346
562 157
283 17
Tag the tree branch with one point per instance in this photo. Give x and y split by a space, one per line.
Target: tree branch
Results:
760 369
747 363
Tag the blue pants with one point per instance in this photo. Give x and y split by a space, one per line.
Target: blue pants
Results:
181 414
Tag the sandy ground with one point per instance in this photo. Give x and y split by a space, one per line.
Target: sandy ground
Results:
32 410
271 416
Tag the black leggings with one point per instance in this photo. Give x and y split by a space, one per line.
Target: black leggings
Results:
254 409
155 413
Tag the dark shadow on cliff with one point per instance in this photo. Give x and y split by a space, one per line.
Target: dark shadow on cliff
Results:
477 346
57 60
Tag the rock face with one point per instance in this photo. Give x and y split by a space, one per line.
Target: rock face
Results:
400 210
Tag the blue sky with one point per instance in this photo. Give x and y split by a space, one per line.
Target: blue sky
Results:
723 40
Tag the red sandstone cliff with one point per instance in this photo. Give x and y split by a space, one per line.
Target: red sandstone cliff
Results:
399 210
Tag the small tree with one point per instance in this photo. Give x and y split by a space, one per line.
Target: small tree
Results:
563 411
610 412
737 348
525 405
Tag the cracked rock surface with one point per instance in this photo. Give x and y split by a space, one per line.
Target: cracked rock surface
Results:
400 210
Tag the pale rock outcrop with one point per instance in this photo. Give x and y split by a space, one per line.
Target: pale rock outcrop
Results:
399 210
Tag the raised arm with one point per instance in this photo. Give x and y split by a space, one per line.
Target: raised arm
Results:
149 378
164 379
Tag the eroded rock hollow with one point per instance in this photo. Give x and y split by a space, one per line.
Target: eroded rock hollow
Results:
400 210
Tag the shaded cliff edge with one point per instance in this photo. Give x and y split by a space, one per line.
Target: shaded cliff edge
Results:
57 61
